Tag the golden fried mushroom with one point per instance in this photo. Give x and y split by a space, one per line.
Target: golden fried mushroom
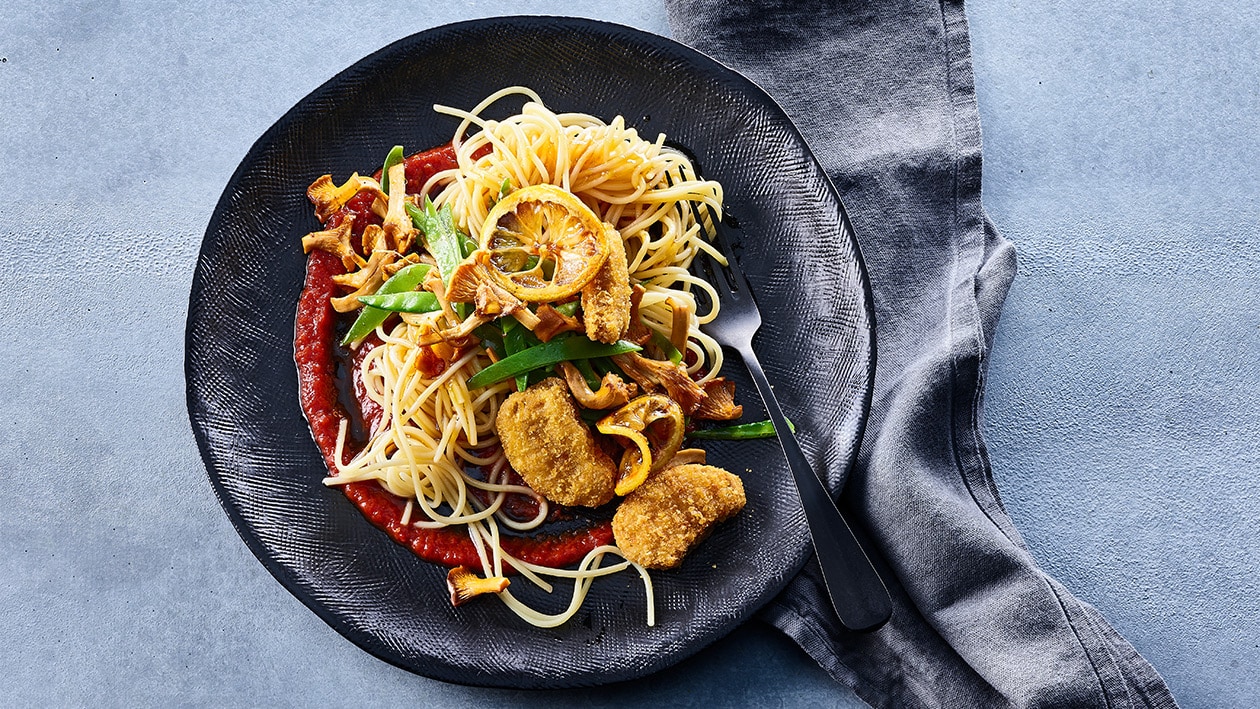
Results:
606 299
658 523
554 451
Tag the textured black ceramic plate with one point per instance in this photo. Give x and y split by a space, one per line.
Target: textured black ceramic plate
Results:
242 392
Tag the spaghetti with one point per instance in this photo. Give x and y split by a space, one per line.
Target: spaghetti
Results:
434 428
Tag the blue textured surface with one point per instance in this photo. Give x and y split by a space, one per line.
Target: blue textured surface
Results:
1122 155
1122 419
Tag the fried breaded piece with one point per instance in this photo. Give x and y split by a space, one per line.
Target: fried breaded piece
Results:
549 445
674 510
606 299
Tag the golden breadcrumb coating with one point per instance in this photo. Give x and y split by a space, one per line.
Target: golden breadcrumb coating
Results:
657 524
606 299
554 451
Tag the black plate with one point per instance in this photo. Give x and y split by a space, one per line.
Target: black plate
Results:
799 251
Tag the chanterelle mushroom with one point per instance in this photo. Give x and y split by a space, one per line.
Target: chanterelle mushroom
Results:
365 281
472 283
637 332
680 322
552 322
399 230
328 197
612 391
719 401
654 375
374 239
409 260
687 456
336 242
464 585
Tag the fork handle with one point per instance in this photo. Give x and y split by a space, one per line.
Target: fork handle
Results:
857 592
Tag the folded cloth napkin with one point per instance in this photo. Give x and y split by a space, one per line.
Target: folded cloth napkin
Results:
883 91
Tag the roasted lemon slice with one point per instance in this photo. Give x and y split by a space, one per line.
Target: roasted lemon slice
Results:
543 243
654 423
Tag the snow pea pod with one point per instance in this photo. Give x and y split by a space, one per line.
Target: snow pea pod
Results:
671 352
546 354
739 432
409 302
441 237
517 338
395 156
369 318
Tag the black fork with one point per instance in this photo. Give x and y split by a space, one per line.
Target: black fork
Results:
857 592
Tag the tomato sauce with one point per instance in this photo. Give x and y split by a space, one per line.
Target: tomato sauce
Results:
329 396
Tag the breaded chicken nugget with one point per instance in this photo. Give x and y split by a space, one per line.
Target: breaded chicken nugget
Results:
674 510
606 299
549 445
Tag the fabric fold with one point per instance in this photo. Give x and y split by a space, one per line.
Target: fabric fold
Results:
884 94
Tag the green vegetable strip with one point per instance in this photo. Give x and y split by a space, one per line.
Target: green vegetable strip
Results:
740 432
540 374
667 347
412 302
513 342
492 338
548 353
588 373
395 156
441 237
443 240
405 280
603 366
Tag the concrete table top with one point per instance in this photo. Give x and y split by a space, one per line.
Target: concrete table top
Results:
1123 414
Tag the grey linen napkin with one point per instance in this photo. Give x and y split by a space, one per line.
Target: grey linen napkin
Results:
883 91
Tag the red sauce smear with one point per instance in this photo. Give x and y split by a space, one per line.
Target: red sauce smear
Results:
315 352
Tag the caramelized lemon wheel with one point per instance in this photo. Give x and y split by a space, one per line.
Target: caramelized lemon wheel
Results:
654 423
543 243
